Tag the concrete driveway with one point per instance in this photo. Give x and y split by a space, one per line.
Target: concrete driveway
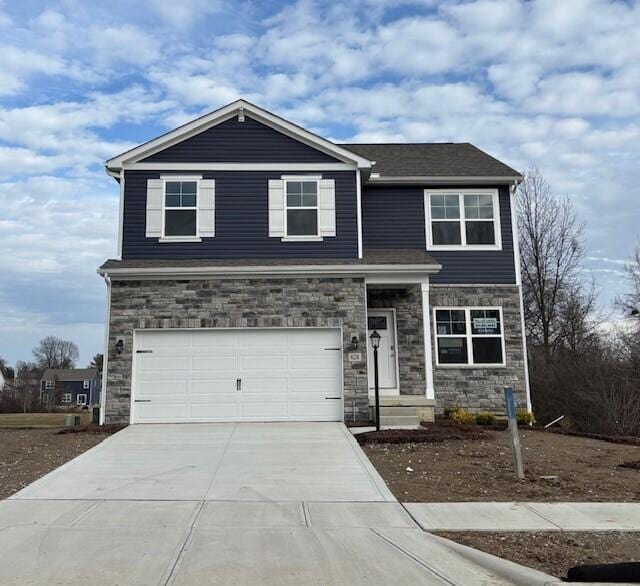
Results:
219 461
227 504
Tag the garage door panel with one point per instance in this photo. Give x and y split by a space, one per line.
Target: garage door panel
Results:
214 363
213 411
265 410
285 375
260 385
150 364
165 389
149 412
268 362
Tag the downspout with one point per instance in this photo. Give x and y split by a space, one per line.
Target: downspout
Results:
516 260
105 359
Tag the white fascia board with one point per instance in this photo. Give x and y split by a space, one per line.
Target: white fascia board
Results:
418 271
239 167
462 180
216 117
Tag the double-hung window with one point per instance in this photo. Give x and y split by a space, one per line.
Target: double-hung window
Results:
81 399
301 212
463 219
86 384
180 209
469 336
66 397
50 384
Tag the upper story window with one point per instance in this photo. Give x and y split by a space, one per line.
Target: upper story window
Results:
463 219
469 336
85 384
180 208
50 384
301 215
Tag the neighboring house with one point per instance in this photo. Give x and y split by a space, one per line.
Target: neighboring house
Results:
256 258
70 387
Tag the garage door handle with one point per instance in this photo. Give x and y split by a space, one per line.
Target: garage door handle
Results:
238 384
142 400
332 348
333 398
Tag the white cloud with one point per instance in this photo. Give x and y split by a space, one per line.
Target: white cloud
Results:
125 43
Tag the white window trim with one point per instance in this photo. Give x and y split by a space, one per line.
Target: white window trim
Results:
300 238
469 336
84 402
462 220
86 384
66 397
49 384
165 179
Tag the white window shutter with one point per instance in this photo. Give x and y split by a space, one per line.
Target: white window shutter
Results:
206 208
276 207
154 208
327 207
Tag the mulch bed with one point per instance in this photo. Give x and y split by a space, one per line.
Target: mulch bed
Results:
107 429
448 462
430 434
28 454
554 553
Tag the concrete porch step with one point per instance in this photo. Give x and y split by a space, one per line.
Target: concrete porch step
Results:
406 400
399 420
392 410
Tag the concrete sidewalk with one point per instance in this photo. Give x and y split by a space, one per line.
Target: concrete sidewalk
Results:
235 542
526 516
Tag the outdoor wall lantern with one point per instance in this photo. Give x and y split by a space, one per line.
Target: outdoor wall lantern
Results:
119 345
375 344
354 343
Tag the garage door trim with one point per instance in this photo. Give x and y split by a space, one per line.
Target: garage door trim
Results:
135 349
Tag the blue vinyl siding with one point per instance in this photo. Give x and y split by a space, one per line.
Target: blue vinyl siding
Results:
242 220
240 142
393 217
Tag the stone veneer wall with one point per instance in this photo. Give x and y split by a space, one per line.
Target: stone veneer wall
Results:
202 303
410 343
478 388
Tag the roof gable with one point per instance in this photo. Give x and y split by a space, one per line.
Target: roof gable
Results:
240 109
69 374
247 141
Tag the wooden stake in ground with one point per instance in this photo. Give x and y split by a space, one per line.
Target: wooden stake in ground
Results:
516 450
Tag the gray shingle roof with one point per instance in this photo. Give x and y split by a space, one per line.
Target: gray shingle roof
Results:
431 160
69 374
371 256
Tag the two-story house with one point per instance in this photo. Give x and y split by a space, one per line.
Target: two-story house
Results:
70 387
256 259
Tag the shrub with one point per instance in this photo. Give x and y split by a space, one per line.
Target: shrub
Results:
485 418
459 415
524 417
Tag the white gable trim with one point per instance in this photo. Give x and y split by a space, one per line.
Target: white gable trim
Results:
216 117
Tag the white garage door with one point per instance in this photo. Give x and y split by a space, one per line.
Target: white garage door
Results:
237 375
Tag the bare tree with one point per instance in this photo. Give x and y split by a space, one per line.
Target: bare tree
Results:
551 250
53 352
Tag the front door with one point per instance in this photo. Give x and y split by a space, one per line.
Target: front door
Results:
383 321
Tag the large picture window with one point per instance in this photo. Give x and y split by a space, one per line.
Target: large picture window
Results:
301 208
180 208
458 219
471 336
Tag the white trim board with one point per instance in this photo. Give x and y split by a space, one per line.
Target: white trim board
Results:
225 113
284 167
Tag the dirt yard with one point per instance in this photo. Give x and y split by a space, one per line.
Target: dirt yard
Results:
28 454
555 553
474 464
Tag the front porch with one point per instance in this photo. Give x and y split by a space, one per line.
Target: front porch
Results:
399 313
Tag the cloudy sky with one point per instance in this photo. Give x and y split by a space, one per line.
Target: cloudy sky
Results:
555 84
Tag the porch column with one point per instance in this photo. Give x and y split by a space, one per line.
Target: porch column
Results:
426 327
